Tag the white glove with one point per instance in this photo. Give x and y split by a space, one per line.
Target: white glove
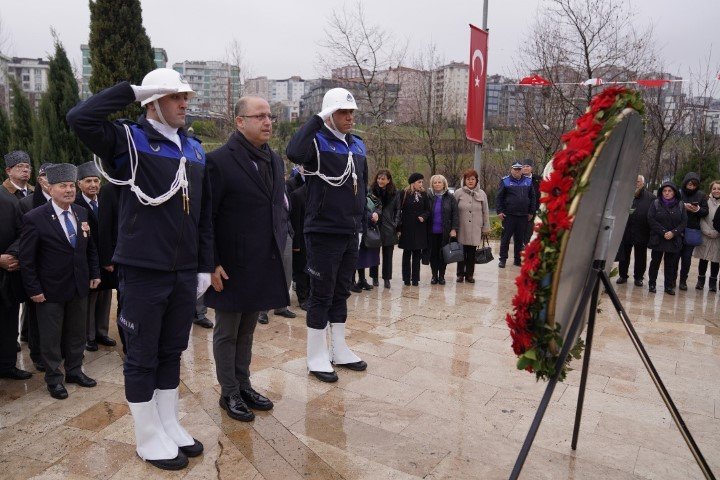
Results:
327 113
143 92
202 284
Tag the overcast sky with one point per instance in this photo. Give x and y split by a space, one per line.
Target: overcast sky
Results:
280 38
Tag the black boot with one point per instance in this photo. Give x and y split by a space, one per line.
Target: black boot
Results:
701 282
387 283
712 284
375 282
651 287
683 283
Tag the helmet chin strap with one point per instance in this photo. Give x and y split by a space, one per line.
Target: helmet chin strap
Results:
160 115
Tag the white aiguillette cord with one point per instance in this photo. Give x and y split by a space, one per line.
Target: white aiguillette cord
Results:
180 181
336 181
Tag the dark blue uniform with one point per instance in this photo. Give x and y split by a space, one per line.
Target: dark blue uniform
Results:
160 249
333 217
515 199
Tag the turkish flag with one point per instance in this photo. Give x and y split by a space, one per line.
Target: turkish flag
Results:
475 121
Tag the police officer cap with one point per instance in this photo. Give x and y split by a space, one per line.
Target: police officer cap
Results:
88 169
527 162
517 164
414 177
18 156
61 172
43 168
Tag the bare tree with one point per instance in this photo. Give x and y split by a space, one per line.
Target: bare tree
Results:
573 41
351 40
703 92
238 72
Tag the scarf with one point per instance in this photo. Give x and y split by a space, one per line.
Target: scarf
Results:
262 157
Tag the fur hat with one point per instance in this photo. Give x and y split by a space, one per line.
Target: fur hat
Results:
414 177
61 172
18 156
43 168
88 169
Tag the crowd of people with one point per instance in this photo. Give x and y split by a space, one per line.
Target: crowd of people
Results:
176 231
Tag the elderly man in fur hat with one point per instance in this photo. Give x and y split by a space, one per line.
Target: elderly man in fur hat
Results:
18 168
59 265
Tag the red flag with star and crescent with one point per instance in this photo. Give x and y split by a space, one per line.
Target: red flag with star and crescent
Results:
475 120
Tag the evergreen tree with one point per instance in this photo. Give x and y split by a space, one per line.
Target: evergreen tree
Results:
4 132
21 129
53 140
119 47
707 166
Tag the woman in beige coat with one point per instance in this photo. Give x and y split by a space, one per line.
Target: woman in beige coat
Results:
709 251
474 222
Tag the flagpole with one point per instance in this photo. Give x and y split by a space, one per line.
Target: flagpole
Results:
477 160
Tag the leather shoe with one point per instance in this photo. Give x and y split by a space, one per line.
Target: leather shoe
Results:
651 288
470 280
236 408
284 312
387 283
434 281
460 279
376 283
193 450
621 280
303 306
365 285
501 264
638 283
177 463
357 366
406 283
203 322
91 346
328 377
683 286
263 318
441 280
15 373
255 401
670 291
414 284
58 391
516 263
39 367
81 379
105 340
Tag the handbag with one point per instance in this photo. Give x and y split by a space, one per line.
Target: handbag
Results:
483 254
692 237
453 253
372 238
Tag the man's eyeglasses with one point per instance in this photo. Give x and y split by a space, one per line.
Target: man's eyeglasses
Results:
261 117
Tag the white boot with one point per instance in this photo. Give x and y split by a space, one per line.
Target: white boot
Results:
341 353
318 355
167 406
150 437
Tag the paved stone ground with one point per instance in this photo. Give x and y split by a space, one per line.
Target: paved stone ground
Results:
441 398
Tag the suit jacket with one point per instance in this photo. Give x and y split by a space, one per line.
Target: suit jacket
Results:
250 227
11 291
37 199
106 278
14 191
66 271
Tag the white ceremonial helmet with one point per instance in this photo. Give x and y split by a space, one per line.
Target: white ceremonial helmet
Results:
168 78
339 99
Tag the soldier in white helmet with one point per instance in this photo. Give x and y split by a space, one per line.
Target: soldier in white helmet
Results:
164 252
335 167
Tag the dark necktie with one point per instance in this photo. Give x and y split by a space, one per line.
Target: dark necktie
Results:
94 206
24 192
72 234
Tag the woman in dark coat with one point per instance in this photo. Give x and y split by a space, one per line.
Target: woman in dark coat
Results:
414 213
384 189
367 257
667 219
696 207
443 225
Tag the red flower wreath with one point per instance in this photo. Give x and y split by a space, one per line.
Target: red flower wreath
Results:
536 345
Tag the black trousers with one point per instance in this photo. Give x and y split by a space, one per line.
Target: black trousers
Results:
331 261
437 263
669 260
685 259
411 265
466 268
157 313
232 349
514 226
62 335
300 277
8 335
33 334
714 268
387 257
640 260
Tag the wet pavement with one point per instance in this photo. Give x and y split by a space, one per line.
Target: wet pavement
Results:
441 397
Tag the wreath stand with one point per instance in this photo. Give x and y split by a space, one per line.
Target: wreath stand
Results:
590 293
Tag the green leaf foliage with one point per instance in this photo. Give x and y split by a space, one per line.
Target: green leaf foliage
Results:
21 130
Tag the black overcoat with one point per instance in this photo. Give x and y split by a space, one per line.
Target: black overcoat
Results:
11 290
450 216
663 219
250 228
413 233
637 229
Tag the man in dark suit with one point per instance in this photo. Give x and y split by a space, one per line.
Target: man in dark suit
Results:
30 332
636 235
18 168
99 300
250 233
59 264
10 287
